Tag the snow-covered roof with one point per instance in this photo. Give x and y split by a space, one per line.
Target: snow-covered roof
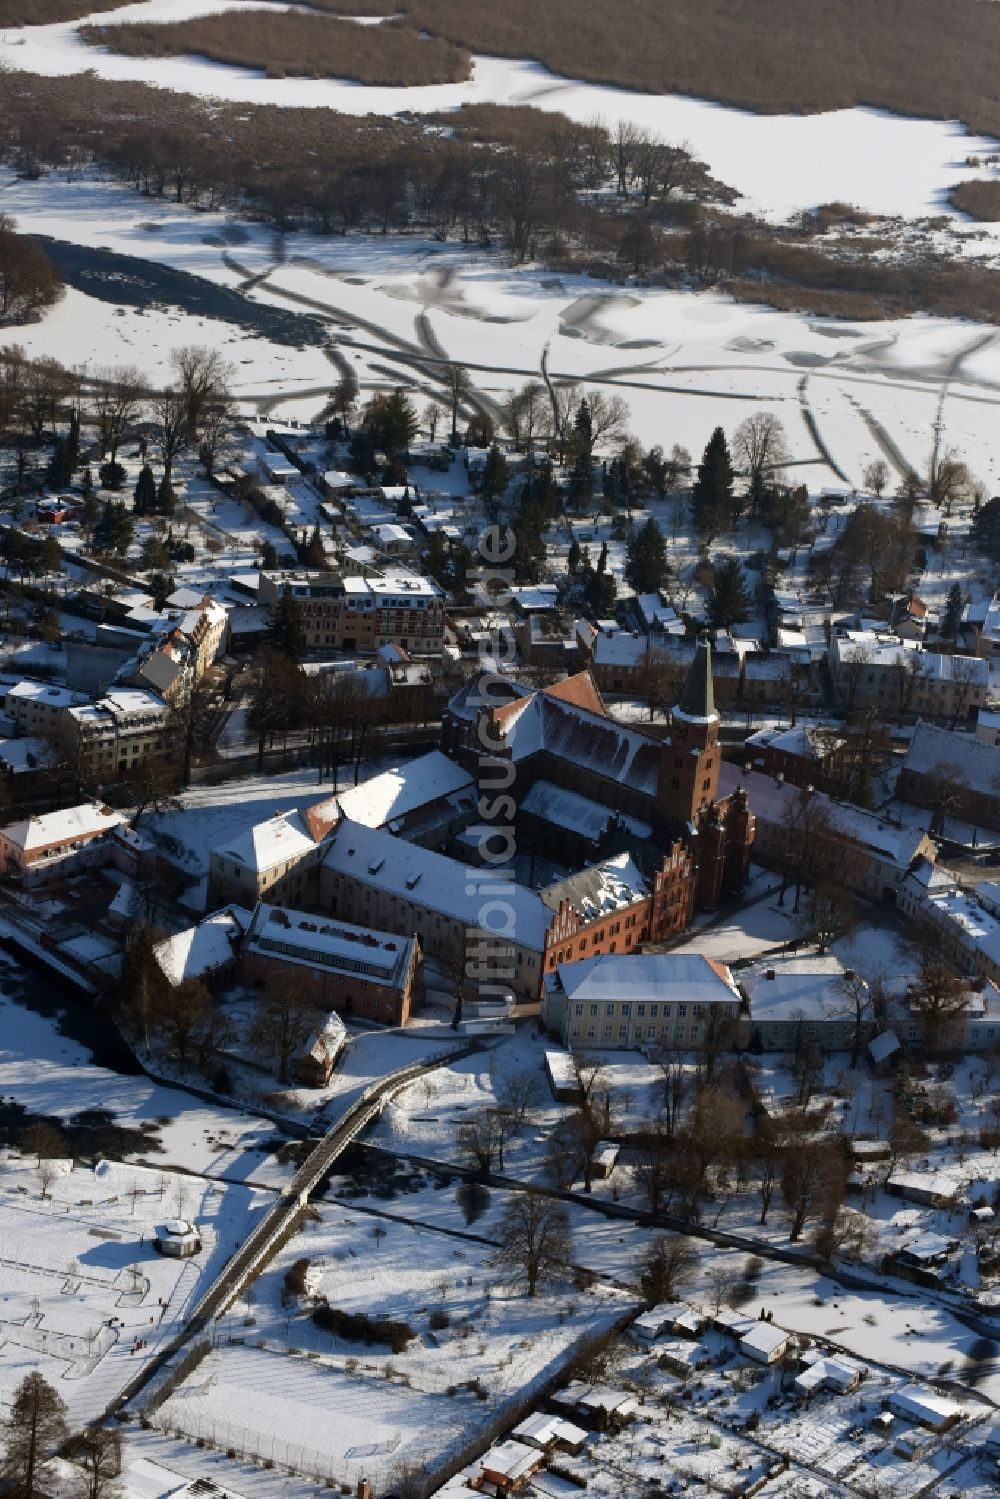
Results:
512 1459
764 1338
600 888
282 837
827 1371
622 648
926 1184
431 880
87 820
804 740
53 697
330 944
771 801
977 925
204 948
541 1430
918 1403
398 792
954 756
580 736
649 976
810 987
883 1046
568 809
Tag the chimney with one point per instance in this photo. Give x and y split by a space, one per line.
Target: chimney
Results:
364 1490
770 974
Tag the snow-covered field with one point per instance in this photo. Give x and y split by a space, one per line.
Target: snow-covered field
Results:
873 159
684 362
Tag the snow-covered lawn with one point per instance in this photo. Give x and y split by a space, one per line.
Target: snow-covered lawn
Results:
85 1297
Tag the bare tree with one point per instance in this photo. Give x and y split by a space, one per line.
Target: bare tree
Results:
518 1093
760 447
937 999
535 1241
858 1005
876 476
100 1457
720 1285
668 1264
170 413
457 384
481 1139
204 377
286 1016
675 1088
119 392
812 1183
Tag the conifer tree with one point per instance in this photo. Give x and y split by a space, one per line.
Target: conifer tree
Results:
952 612
144 494
165 496
712 496
729 603
60 469
646 558
35 1427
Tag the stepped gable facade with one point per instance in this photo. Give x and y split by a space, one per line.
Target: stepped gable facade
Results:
563 735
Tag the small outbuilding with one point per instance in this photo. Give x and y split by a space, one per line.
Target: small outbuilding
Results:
178 1239
765 1343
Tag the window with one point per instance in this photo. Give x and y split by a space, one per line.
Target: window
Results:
640 1010
623 1033
682 1010
608 1032
578 1009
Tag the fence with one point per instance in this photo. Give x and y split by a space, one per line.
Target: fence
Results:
243 1442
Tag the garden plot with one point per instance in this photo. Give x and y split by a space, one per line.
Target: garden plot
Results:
477 1346
85 1298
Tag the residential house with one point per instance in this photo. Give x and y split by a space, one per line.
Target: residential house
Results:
812 997
874 669
315 1063
374 879
954 775
804 756
276 860
872 855
37 850
207 951
358 613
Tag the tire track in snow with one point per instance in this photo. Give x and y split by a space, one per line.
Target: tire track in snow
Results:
808 416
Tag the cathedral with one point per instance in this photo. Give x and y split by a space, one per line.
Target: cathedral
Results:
585 786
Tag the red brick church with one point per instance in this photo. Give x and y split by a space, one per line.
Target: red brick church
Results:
584 786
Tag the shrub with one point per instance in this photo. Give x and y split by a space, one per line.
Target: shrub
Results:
297 1278
356 1327
439 1319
